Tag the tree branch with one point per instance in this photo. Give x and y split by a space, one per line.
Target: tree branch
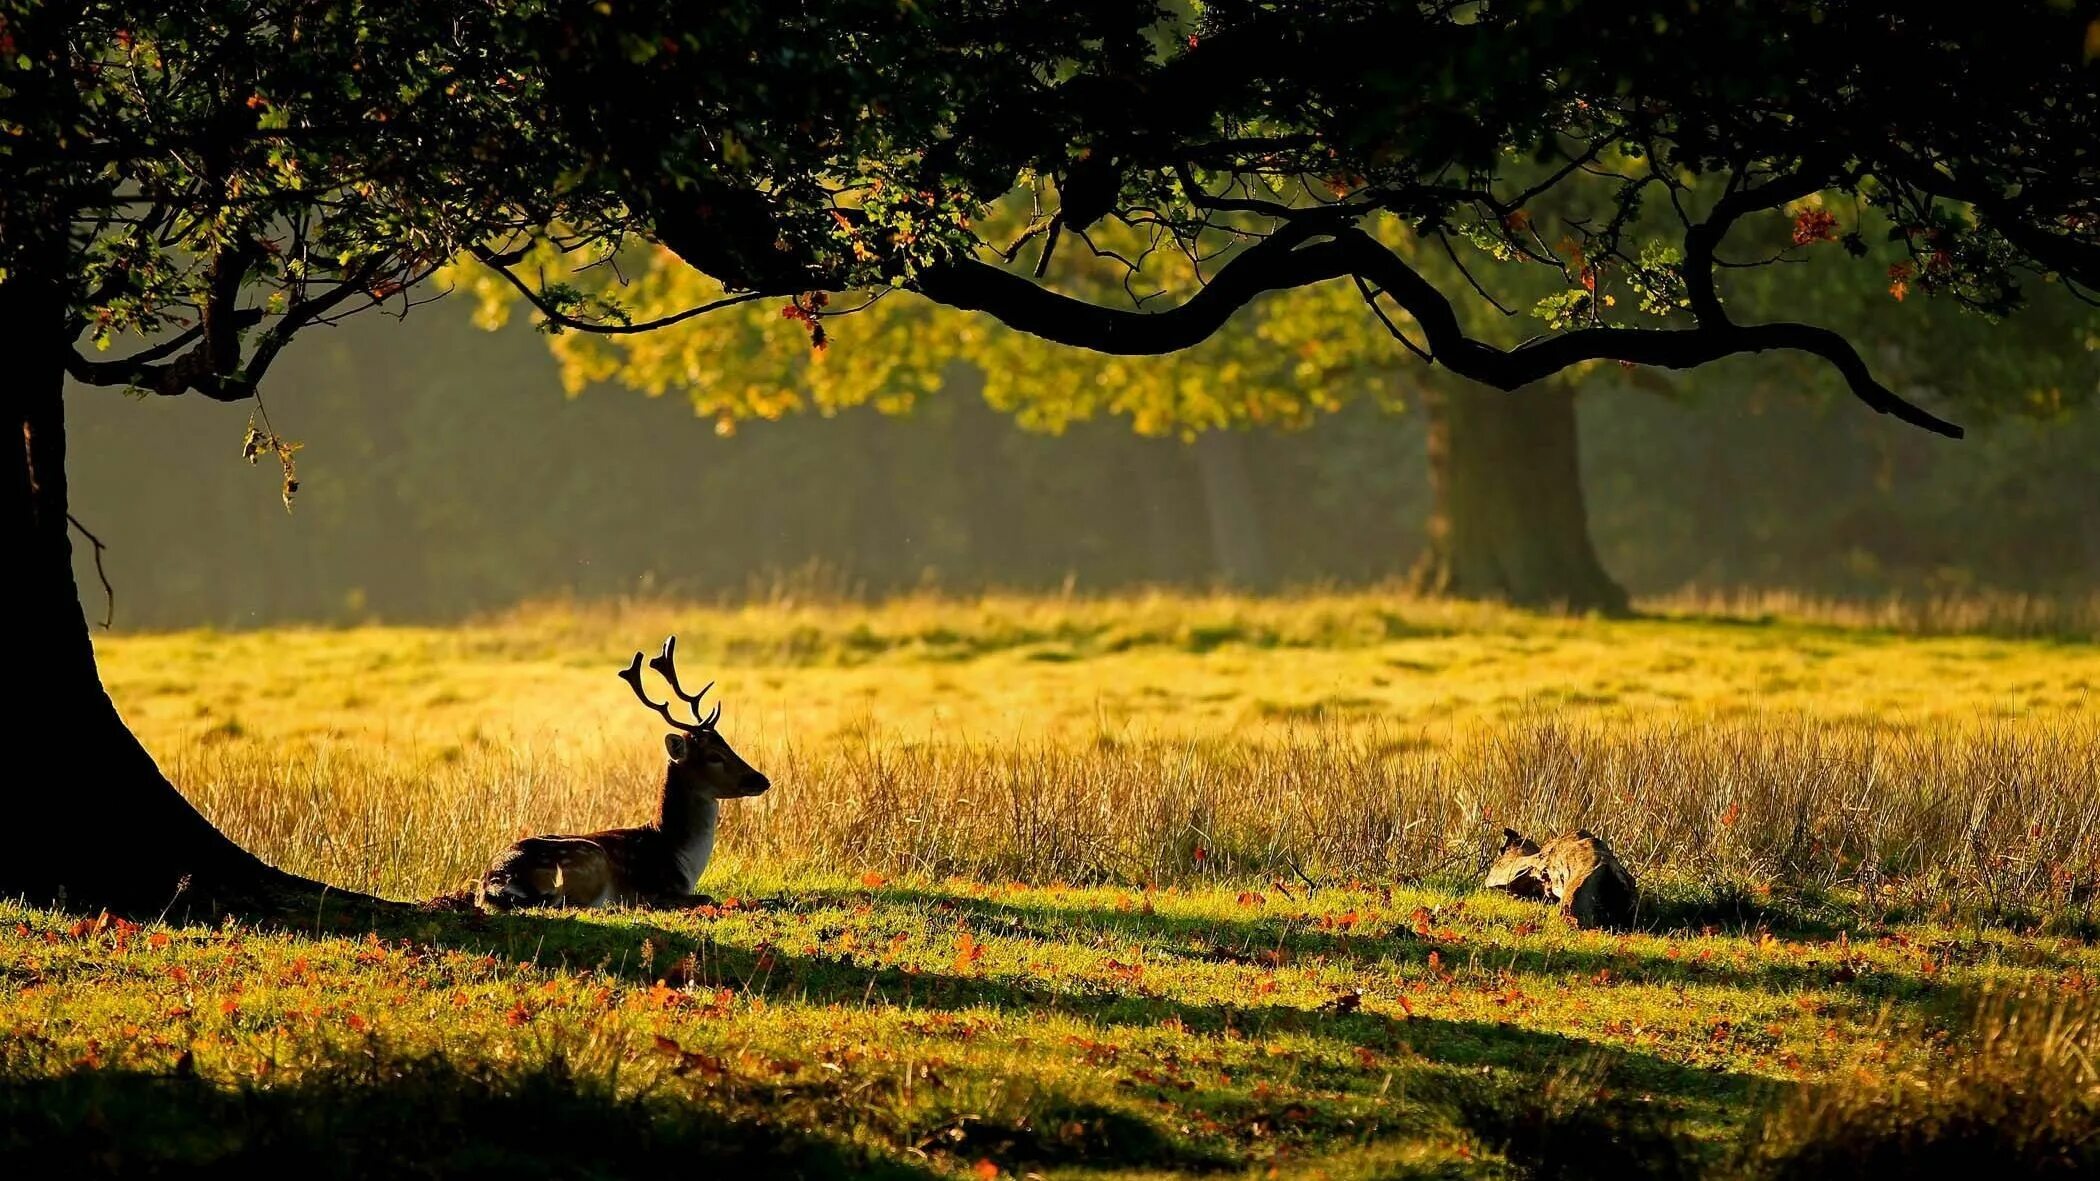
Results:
1703 238
495 262
131 370
109 593
1289 259
205 369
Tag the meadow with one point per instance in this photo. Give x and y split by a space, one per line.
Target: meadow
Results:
1119 887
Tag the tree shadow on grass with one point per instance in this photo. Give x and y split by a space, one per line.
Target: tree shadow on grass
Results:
1272 939
1438 1061
380 1117
1111 1010
691 954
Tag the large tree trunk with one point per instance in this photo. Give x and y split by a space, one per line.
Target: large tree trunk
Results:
91 821
1507 519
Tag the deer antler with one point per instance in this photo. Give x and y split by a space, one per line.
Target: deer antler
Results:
666 667
632 674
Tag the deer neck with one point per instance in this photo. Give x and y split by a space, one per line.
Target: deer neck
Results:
689 824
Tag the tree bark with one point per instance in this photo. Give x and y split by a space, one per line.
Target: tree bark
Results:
1507 519
1238 550
92 821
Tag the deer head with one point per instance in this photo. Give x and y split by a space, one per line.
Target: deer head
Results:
702 762
1516 868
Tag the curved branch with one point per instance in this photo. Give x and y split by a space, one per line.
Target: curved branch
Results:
1289 259
1703 238
495 262
1277 263
199 369
137 369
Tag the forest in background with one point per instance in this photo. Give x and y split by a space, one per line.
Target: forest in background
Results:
444 472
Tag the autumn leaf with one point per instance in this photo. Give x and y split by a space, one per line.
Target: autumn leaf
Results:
985 1169
873 880
1900 276
1814 225
968 951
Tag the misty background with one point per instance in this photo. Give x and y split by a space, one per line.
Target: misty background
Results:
445 472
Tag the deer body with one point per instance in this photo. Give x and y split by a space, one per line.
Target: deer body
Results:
1576 870
655 864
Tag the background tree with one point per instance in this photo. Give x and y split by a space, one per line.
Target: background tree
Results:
1507 518
1616 176
431 444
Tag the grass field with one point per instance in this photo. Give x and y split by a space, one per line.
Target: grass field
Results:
1108 888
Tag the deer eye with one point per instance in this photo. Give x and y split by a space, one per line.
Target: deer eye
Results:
712 756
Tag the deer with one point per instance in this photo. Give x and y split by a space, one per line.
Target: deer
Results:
652 865
1577 870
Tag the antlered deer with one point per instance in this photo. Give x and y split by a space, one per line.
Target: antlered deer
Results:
655 864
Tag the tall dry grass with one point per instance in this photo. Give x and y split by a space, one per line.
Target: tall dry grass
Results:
799 620
2010 614
2000 813
2017 1095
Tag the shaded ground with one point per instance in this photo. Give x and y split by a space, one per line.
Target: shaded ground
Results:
825 1027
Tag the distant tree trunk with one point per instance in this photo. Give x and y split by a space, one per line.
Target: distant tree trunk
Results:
1240 553
1160 482
90 818
1507 519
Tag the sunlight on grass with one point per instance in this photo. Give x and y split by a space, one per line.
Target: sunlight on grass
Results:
1122 888
1339 735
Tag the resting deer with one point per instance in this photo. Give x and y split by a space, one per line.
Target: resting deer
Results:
1576 870
653 865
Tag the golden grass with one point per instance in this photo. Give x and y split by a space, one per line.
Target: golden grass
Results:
1030 897
1994 613
1772 744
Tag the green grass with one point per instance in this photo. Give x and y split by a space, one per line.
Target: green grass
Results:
927 1027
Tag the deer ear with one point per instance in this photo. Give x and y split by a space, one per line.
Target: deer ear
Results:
678 747
1511 836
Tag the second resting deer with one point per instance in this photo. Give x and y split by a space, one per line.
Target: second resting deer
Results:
655 865
1576 870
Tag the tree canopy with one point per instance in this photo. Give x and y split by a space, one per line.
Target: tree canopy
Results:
219 175
1630 155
